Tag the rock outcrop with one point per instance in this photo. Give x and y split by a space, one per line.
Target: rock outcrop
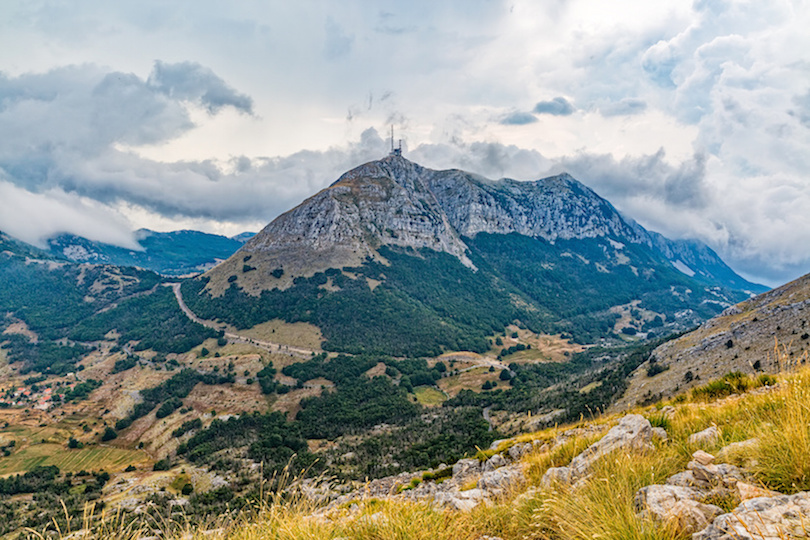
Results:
633 434
764 518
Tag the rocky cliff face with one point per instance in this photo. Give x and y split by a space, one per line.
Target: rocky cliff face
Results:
396 202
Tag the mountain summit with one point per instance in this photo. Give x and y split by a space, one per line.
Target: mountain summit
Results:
395 202
399 259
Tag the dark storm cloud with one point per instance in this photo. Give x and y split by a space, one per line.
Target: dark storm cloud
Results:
559 106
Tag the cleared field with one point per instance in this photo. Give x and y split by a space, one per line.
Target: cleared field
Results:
90 459
429 396
299 334
470 380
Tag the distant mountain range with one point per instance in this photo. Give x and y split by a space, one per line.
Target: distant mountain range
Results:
443 258
174 253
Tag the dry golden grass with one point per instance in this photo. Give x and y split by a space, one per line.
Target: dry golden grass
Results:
601 506
299 334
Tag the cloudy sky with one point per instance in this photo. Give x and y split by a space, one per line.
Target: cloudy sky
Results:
692 118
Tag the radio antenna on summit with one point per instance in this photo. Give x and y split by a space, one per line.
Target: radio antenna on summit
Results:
395 151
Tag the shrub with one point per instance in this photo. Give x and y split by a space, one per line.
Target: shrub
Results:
655 368
731 383
109 434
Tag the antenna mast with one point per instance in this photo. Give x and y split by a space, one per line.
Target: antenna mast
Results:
395 151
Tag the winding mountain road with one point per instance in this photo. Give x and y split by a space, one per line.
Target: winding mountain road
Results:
238 338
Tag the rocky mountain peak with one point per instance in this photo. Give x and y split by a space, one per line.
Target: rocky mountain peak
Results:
396 202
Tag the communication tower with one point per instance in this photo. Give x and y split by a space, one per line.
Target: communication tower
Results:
398 150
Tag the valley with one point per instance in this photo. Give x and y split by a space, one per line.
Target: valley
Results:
444 313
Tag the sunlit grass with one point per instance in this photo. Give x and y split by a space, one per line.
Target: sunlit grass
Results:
600 506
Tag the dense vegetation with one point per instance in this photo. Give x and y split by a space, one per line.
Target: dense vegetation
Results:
266 438
51 298
428 440
137 318
356 405
429 302
339 370
52 497
45 357
171 253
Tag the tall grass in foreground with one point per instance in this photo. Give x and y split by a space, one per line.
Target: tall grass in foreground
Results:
602 507
599 507
782 458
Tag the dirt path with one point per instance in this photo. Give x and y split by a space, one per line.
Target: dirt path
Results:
487 417
234 337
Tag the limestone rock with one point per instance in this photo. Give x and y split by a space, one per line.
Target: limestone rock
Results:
494 462
687 479
519 450
706 437
764 518
674 503
749 491
463 501
633 433
668 411
557 476
501 478
660 434
464 468
495 444
721 474
736 448
704 458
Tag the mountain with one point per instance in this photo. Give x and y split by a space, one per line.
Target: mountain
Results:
445 258
172 253
10 246
699 261
752 336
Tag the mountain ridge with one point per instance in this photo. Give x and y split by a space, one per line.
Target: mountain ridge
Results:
394 201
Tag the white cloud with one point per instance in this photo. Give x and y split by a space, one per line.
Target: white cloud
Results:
723 87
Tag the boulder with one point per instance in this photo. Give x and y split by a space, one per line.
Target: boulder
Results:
464 468
496 444
519 450
737 448
707 437
494 462
749 491
463 501
763 518
687 479
660 434
633 433
675 504
704 458
715 475
501 478
692 516
557 476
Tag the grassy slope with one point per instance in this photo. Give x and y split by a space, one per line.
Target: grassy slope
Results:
780 418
